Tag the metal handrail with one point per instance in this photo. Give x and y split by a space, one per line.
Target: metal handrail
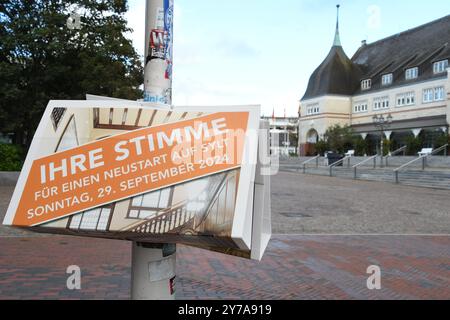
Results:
444 147
410 162
422 157
331 166
310 160
396 170
355 167
393 153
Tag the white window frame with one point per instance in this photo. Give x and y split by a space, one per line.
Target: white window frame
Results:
406 99
434 94
440 66
428 95
412 73
440 90
361 107
94 220
366 84
147 205
387 79
312 110
381 103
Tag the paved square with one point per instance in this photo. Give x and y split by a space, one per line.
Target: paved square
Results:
33 266
311 204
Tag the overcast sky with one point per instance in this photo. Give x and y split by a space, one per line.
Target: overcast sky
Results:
263 51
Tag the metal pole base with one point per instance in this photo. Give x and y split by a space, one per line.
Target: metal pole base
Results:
153 271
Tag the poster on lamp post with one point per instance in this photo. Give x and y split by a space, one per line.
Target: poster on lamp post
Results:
136 171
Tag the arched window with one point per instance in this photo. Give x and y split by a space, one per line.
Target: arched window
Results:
312 136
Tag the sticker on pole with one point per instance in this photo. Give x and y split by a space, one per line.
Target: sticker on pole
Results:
144 173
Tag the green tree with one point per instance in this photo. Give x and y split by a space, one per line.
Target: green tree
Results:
442 139
293 139
413 145
339 138
10 157
360 146
42 59
387 146
321 147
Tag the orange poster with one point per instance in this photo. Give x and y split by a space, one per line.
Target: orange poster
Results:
129 171
130 164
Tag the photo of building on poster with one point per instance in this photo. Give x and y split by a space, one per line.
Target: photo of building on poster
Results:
198 210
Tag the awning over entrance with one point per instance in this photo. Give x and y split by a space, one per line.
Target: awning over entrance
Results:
425 122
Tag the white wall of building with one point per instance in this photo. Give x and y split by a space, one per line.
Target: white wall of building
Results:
419 109
340 109
332 110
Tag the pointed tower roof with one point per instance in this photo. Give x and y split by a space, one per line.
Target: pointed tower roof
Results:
337 38
337 74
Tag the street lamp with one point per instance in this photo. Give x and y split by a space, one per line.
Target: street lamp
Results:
382 123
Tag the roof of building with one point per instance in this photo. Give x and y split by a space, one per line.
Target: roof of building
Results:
417 47
336 74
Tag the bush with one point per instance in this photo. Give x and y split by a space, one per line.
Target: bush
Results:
360 146
10 157
413 145
387 145
321 147
442 140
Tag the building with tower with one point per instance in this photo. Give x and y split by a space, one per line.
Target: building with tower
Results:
405 76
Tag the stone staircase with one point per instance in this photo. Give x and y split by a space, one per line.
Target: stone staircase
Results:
181 219
430 178
171 221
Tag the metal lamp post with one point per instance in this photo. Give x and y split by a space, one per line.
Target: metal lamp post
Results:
383 123
153 265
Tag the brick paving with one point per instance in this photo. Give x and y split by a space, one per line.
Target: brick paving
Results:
294 267
33 266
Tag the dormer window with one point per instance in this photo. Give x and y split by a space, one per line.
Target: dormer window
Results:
440 66
387 79
412 73
366 84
